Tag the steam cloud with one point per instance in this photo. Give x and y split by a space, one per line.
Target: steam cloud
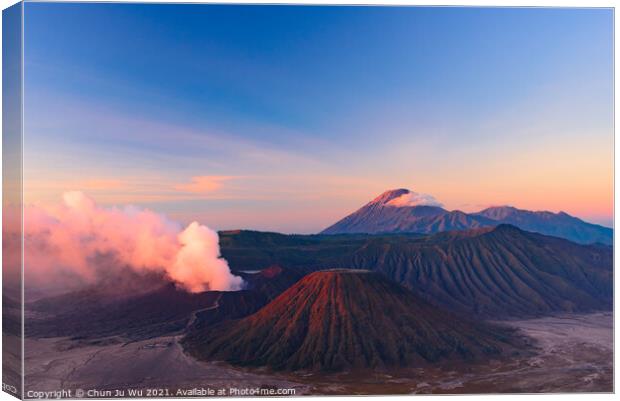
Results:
79 240
415 199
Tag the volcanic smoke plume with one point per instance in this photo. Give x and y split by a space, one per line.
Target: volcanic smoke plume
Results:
414 199
81 242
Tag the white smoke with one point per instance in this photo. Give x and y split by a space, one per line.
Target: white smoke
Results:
414 199
77 239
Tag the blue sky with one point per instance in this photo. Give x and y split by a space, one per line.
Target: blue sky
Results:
300 114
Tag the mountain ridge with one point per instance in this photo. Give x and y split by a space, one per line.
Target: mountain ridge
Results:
559 224
494 272
381 216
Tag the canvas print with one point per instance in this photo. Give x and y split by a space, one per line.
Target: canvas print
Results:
284 200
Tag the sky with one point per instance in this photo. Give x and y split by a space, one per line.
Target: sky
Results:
287 118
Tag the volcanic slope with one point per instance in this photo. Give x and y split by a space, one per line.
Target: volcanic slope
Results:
163 311
339 320
492 272
498 272
382 216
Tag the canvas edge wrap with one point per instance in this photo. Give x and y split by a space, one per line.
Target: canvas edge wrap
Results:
12 201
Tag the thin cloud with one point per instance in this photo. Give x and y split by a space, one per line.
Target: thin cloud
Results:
204 184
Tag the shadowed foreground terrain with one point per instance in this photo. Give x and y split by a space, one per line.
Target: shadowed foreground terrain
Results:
90 314
573 353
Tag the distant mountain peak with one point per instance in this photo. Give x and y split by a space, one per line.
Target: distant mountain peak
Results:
498 212
403 197
502 207
559 224
390 195
404 211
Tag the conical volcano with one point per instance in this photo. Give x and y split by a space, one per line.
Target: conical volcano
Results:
405 211
347 319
